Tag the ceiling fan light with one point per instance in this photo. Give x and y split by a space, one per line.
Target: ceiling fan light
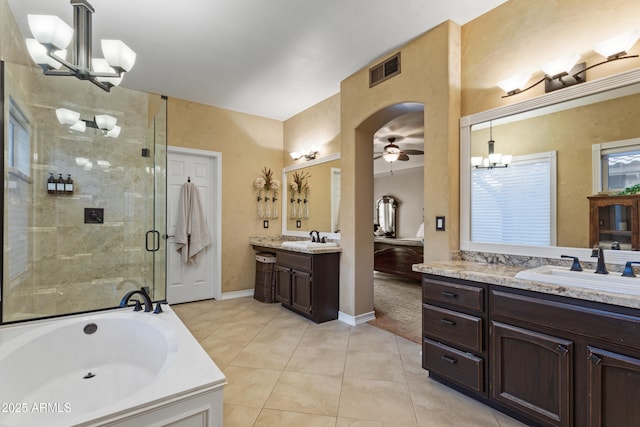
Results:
561 65
105 122
618 45
50 30
118 54
67 117
391 156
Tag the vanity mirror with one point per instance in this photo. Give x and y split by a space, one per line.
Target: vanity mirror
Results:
572 125
323 198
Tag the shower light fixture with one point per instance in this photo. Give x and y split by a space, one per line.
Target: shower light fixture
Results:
567 71
53 35
103 122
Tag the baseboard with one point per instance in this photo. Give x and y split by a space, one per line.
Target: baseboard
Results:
356 320
237 294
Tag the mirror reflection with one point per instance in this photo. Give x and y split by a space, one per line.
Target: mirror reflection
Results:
321 209
595 144
385 217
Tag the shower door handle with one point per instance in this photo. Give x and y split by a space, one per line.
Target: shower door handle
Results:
155 241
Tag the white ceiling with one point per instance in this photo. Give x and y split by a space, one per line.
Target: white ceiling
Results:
271 58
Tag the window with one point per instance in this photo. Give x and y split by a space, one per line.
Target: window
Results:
616 165
19 146
526 212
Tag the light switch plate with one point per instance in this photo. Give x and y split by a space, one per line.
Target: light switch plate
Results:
440 223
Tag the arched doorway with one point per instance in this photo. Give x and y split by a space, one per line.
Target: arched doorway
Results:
356 295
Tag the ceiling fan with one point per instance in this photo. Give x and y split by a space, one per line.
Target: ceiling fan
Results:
392 152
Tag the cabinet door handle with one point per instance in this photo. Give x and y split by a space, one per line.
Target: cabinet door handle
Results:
448 294
562 350
447 322
595 359
448 359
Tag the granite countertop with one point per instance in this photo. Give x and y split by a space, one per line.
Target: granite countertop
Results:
504 275
275 242
399 242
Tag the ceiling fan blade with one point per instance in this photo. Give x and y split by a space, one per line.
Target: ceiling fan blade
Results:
377 157
413 152
403 157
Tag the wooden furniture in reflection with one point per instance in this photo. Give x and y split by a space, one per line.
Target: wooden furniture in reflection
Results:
613 221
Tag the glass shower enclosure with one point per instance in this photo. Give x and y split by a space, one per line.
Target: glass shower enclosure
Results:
83 211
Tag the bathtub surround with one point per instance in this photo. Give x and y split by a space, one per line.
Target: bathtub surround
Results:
119 367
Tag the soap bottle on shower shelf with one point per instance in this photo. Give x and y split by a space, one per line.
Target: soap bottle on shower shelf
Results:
60 184
68 185
51 184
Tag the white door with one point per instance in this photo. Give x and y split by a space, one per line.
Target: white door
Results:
189 282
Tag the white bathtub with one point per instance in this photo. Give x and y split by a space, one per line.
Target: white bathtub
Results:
136 369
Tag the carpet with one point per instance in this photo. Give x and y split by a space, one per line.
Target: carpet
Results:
398 306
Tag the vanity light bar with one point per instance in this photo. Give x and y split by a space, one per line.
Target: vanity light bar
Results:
566 71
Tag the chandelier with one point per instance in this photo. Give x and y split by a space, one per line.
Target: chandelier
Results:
493 160
52 36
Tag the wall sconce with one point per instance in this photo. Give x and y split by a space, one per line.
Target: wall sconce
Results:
494 160
103 122
566 71
310 154
53 35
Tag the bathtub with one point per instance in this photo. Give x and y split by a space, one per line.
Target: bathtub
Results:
117 368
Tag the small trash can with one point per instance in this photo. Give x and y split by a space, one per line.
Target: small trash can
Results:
265 277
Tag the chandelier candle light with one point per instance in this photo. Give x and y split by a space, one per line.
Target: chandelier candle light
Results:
52 36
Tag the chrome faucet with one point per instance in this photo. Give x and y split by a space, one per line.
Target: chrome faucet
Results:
148 305
599 253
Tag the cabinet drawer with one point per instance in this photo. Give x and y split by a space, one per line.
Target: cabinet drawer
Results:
294 260
462 368
450 326
470 297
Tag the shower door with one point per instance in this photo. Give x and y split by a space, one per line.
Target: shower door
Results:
79 248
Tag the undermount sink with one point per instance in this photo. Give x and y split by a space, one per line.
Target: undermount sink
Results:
307 244
612 282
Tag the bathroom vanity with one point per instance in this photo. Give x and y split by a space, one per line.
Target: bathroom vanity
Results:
546 354
307 280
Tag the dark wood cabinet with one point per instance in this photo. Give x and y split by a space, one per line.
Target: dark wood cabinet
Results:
614 380
454 335
547 360
309 284
532 373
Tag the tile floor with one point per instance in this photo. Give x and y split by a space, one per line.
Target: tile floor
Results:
283 370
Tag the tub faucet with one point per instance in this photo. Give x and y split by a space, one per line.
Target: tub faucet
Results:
148 305
599 253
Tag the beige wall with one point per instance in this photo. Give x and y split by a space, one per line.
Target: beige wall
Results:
248 144
430 75
406 187
12 46
318 125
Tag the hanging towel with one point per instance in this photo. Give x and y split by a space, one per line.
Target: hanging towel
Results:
192 233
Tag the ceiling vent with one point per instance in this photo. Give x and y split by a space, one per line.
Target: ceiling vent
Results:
384 70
